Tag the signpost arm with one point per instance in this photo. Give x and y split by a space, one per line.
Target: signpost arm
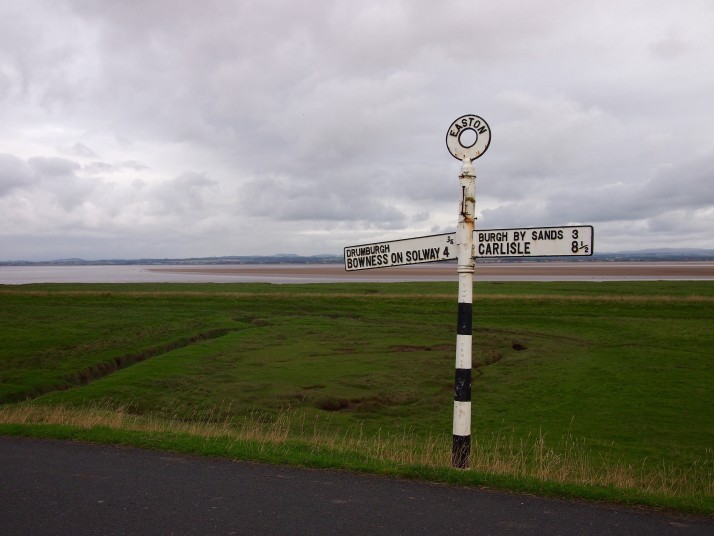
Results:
461 446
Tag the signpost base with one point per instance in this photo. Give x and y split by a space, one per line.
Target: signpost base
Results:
461 452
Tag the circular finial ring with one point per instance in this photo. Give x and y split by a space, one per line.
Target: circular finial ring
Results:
468 137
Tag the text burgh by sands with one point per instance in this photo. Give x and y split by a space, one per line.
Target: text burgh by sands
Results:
547 234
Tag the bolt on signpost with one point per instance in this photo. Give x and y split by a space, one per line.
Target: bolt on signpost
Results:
467 139
467 153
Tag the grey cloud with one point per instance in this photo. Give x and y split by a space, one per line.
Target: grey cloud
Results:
672 198
331 116
281 199
60 177
14 174
668 48
687 184
99 167
79 149
320 81
134 165
185 194
57 175
684 187
107 167
5 85
52 166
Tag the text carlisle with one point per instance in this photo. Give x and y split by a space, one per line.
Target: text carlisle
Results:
503 249
535 242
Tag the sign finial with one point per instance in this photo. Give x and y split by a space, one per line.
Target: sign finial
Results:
458 137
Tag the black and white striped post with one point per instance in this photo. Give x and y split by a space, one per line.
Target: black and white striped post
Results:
466 151
461 448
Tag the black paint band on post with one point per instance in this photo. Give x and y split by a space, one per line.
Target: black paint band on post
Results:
460 452
464 319
462 385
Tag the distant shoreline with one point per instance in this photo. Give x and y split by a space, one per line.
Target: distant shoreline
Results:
696 269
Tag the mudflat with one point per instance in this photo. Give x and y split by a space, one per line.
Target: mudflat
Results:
447 270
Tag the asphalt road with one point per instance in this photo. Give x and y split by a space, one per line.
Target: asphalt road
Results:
56 487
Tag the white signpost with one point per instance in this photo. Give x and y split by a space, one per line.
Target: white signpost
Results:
399 252
566 241
467 139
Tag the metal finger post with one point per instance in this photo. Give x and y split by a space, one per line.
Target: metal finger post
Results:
467 139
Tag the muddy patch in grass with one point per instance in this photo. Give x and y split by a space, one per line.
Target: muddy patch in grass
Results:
416 348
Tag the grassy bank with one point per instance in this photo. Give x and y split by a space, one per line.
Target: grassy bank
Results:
599 386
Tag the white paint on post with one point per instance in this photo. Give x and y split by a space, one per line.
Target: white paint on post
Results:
461 445
462 427
463 351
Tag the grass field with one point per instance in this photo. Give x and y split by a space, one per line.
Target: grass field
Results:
600 386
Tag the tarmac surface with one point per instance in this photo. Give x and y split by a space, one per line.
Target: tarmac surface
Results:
62 487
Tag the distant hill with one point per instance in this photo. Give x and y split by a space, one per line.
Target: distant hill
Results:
283 258
664 254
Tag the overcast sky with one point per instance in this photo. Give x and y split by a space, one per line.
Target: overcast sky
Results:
177 128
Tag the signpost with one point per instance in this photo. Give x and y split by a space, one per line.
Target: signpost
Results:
399 252
566 241
467 139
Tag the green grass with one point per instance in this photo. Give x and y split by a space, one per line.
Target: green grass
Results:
615 376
